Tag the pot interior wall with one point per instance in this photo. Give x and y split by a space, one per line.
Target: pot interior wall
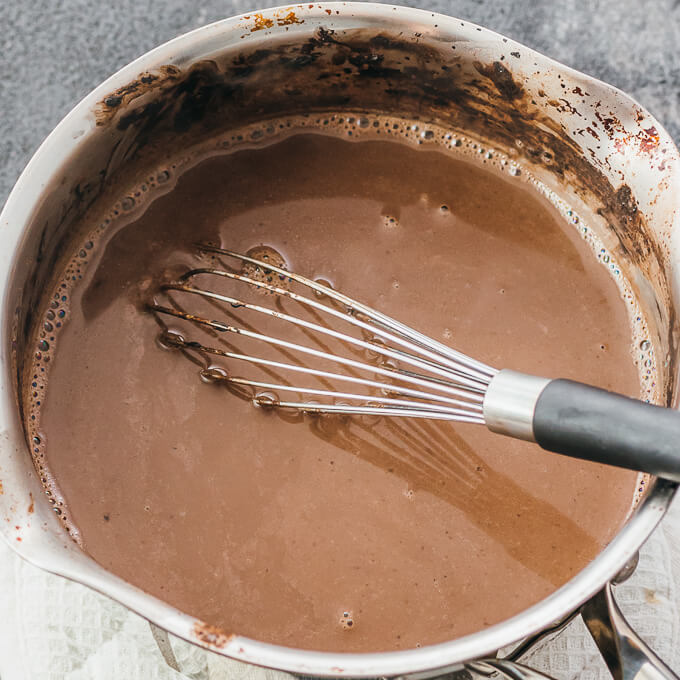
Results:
480 89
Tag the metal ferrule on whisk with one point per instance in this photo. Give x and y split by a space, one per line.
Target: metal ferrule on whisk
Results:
510 403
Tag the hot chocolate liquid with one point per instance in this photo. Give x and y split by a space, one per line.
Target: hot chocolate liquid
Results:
331 534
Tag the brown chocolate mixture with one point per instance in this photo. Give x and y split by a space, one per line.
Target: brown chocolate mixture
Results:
342 534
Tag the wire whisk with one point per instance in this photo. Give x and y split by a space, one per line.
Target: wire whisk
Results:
412 375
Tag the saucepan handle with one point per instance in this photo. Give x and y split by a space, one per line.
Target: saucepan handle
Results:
626 655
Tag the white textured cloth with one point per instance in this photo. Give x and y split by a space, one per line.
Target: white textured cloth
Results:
52 629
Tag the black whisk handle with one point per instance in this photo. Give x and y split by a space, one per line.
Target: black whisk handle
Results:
587 422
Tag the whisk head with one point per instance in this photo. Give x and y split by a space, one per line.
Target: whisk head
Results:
309 347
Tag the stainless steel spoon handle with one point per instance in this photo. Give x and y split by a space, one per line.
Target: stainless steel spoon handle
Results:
585 422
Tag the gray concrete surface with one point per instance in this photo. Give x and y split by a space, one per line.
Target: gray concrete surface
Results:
52 52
